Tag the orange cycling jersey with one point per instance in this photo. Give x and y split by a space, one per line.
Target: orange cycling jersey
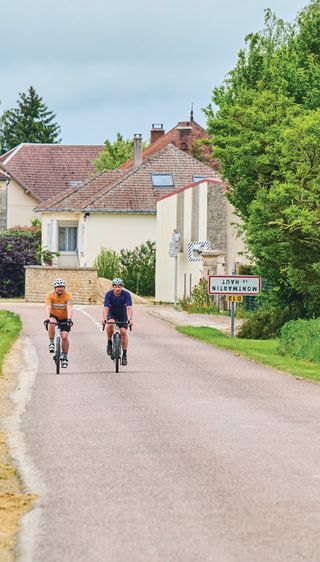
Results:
59 304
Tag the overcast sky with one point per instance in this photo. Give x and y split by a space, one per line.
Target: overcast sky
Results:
104 66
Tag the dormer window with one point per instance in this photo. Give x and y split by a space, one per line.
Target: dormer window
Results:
162 180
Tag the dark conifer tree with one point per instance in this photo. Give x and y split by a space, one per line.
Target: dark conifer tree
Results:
30 121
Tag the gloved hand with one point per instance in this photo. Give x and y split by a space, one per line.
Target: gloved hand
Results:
69 322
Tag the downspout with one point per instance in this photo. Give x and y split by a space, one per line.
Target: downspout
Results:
6 202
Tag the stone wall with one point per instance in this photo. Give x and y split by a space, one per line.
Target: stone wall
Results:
217 218
82 282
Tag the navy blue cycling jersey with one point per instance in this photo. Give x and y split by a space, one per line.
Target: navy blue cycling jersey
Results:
118 305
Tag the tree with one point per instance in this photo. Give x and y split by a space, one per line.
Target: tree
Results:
115 154
30 121
283 230
138 268
266 131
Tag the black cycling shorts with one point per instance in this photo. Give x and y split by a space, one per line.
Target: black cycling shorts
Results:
63 324
123 318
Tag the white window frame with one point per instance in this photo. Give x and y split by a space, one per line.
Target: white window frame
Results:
68 224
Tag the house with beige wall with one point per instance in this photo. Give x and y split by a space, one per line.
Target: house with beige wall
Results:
115 209
31 174
205 222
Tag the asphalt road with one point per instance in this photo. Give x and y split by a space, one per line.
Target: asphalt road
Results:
189 454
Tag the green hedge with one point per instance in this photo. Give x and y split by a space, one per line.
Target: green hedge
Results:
301 339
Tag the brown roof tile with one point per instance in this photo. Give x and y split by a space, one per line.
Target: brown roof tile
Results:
131 190
47 169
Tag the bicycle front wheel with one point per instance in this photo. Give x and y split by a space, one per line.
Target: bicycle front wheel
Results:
117 350
58 355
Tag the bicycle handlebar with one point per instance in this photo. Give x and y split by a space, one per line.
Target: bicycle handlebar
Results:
47 322
118 323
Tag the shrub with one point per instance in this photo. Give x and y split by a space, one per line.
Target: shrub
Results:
107 263
138 268
301 339
199 300
264 323
18 247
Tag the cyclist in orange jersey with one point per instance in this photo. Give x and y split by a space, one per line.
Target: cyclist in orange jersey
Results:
59 310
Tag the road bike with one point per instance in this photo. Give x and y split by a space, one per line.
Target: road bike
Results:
57 357
116 343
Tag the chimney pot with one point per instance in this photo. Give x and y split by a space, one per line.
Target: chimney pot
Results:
137 150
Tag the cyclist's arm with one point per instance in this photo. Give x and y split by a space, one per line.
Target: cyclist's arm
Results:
48 310
105 313
129 312
69 311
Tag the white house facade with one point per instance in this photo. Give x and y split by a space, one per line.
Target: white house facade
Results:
203 219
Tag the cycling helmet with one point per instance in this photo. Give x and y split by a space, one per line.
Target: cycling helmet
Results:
117 281
59 283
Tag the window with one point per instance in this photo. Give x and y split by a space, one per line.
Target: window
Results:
74 183
198 178
67 239
162 180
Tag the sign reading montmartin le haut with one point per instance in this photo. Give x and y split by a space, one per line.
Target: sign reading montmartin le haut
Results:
234 284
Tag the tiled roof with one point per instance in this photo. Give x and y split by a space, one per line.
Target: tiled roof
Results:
48 169
131 190
3 174
183 136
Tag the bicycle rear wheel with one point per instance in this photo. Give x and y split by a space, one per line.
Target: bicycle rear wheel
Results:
58 355
117 350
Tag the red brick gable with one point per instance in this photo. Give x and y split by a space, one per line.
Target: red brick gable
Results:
48 169
184 136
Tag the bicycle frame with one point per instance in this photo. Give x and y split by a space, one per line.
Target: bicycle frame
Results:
57 347
116 343
57 357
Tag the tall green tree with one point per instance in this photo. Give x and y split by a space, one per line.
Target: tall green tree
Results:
115 153
265 124
30 121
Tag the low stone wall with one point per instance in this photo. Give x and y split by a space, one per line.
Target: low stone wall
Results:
82 282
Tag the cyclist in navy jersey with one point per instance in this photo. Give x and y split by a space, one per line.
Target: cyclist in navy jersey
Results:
117 307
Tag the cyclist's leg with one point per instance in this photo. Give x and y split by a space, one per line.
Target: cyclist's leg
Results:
110 330
64 343
124 338
124 342
51 332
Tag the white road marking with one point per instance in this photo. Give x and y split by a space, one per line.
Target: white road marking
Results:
96 323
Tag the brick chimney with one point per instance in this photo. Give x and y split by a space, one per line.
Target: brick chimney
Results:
157 131
137 150
184 139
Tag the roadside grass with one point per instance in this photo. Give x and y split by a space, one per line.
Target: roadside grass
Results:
10 328
265 352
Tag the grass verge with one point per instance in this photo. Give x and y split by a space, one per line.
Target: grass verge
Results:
261 351
14 502
10 328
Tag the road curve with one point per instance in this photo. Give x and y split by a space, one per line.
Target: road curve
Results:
189 454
